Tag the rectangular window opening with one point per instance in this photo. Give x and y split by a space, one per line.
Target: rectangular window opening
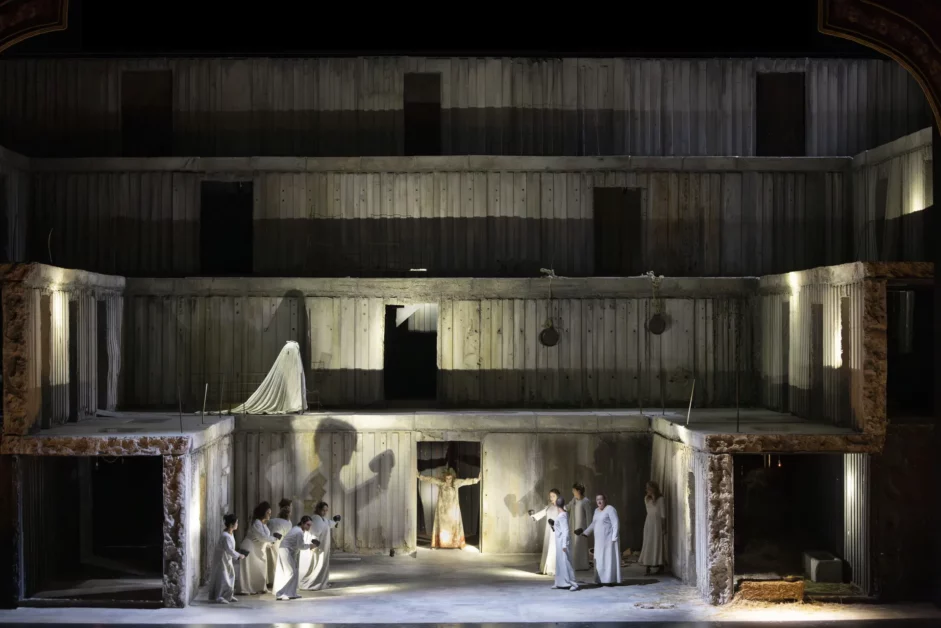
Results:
780 114
410 363
147 113
618 231
225 228
422 111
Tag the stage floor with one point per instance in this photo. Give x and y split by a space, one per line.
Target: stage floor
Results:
451 587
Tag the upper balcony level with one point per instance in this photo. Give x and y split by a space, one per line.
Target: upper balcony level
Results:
400 106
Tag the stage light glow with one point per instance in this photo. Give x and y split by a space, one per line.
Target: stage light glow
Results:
793 280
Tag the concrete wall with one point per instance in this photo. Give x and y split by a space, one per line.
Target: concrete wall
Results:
227 333
672 469
15 204
353 106
904 169
367 475
463 216
211 496
50 376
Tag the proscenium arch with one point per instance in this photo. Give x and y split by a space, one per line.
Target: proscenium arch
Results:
22 19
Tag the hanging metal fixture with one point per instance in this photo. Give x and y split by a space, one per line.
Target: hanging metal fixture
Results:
656 324
549 336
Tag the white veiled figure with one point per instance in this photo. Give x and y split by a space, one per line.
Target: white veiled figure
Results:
284 389
315 570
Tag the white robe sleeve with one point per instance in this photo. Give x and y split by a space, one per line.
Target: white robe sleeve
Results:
539 516
591 526
615 523
562 532
229 541
259 533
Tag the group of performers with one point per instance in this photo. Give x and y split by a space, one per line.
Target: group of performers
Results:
270 558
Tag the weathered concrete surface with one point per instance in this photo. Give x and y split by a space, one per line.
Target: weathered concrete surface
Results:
844 274
875 357
35 275
717 585
175 483
95 446
22 397
791 443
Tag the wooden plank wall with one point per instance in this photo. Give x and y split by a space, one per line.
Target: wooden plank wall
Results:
711 222
671 467
488 350
367 477
835 396
353 106
210 498
906 165
15 187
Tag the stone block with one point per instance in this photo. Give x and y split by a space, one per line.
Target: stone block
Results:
823 567
771 590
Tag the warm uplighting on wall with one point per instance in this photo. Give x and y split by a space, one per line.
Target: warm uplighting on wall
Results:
793 280
836 359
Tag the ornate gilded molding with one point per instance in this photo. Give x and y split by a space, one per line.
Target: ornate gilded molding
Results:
22 19
908 31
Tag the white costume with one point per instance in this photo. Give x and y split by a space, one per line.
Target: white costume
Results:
289 554
547 562
283 390
315 567
276 525
579 511
253 569
564 574
222 574
651 554
605 525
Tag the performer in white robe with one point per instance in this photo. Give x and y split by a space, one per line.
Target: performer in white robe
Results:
253 571
279 525
651 554
547 561
580 512
315 570
222 573
287 574
605 526
564 573
448 530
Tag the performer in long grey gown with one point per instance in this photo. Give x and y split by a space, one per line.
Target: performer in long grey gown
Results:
564 573
547 560
253 571
315 571
222 573
278 526
605 526
580 511
286 576
651 554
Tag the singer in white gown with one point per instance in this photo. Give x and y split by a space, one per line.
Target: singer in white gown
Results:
651 554
253 571
551 511
564 573
580 511
315 566
287 574
605 526
278 525
222 572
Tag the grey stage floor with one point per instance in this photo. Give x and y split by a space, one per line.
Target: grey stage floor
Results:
467 588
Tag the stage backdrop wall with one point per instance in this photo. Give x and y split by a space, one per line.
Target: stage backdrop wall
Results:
368 476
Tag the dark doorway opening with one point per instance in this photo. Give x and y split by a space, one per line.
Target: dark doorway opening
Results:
147 113
225 228
87 556
910 360
780 114
422 105
434 458
784 506
74 411
618 231
410 363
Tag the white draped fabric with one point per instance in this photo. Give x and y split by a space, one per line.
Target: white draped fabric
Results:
315 572
580 512
547 561
605 525
564 573
651 554
284 389
280 526
222 573
287 573
253 569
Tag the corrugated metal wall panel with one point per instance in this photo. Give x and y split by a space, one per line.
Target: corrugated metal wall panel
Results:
496 223
672 468
56 359
905 165
610 361
796 388
856 511
353 106
114 308
211 492
87 360
15 204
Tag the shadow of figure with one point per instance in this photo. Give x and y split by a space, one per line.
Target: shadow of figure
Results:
335 446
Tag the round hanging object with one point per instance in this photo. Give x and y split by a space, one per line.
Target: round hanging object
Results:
657 324
549 337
